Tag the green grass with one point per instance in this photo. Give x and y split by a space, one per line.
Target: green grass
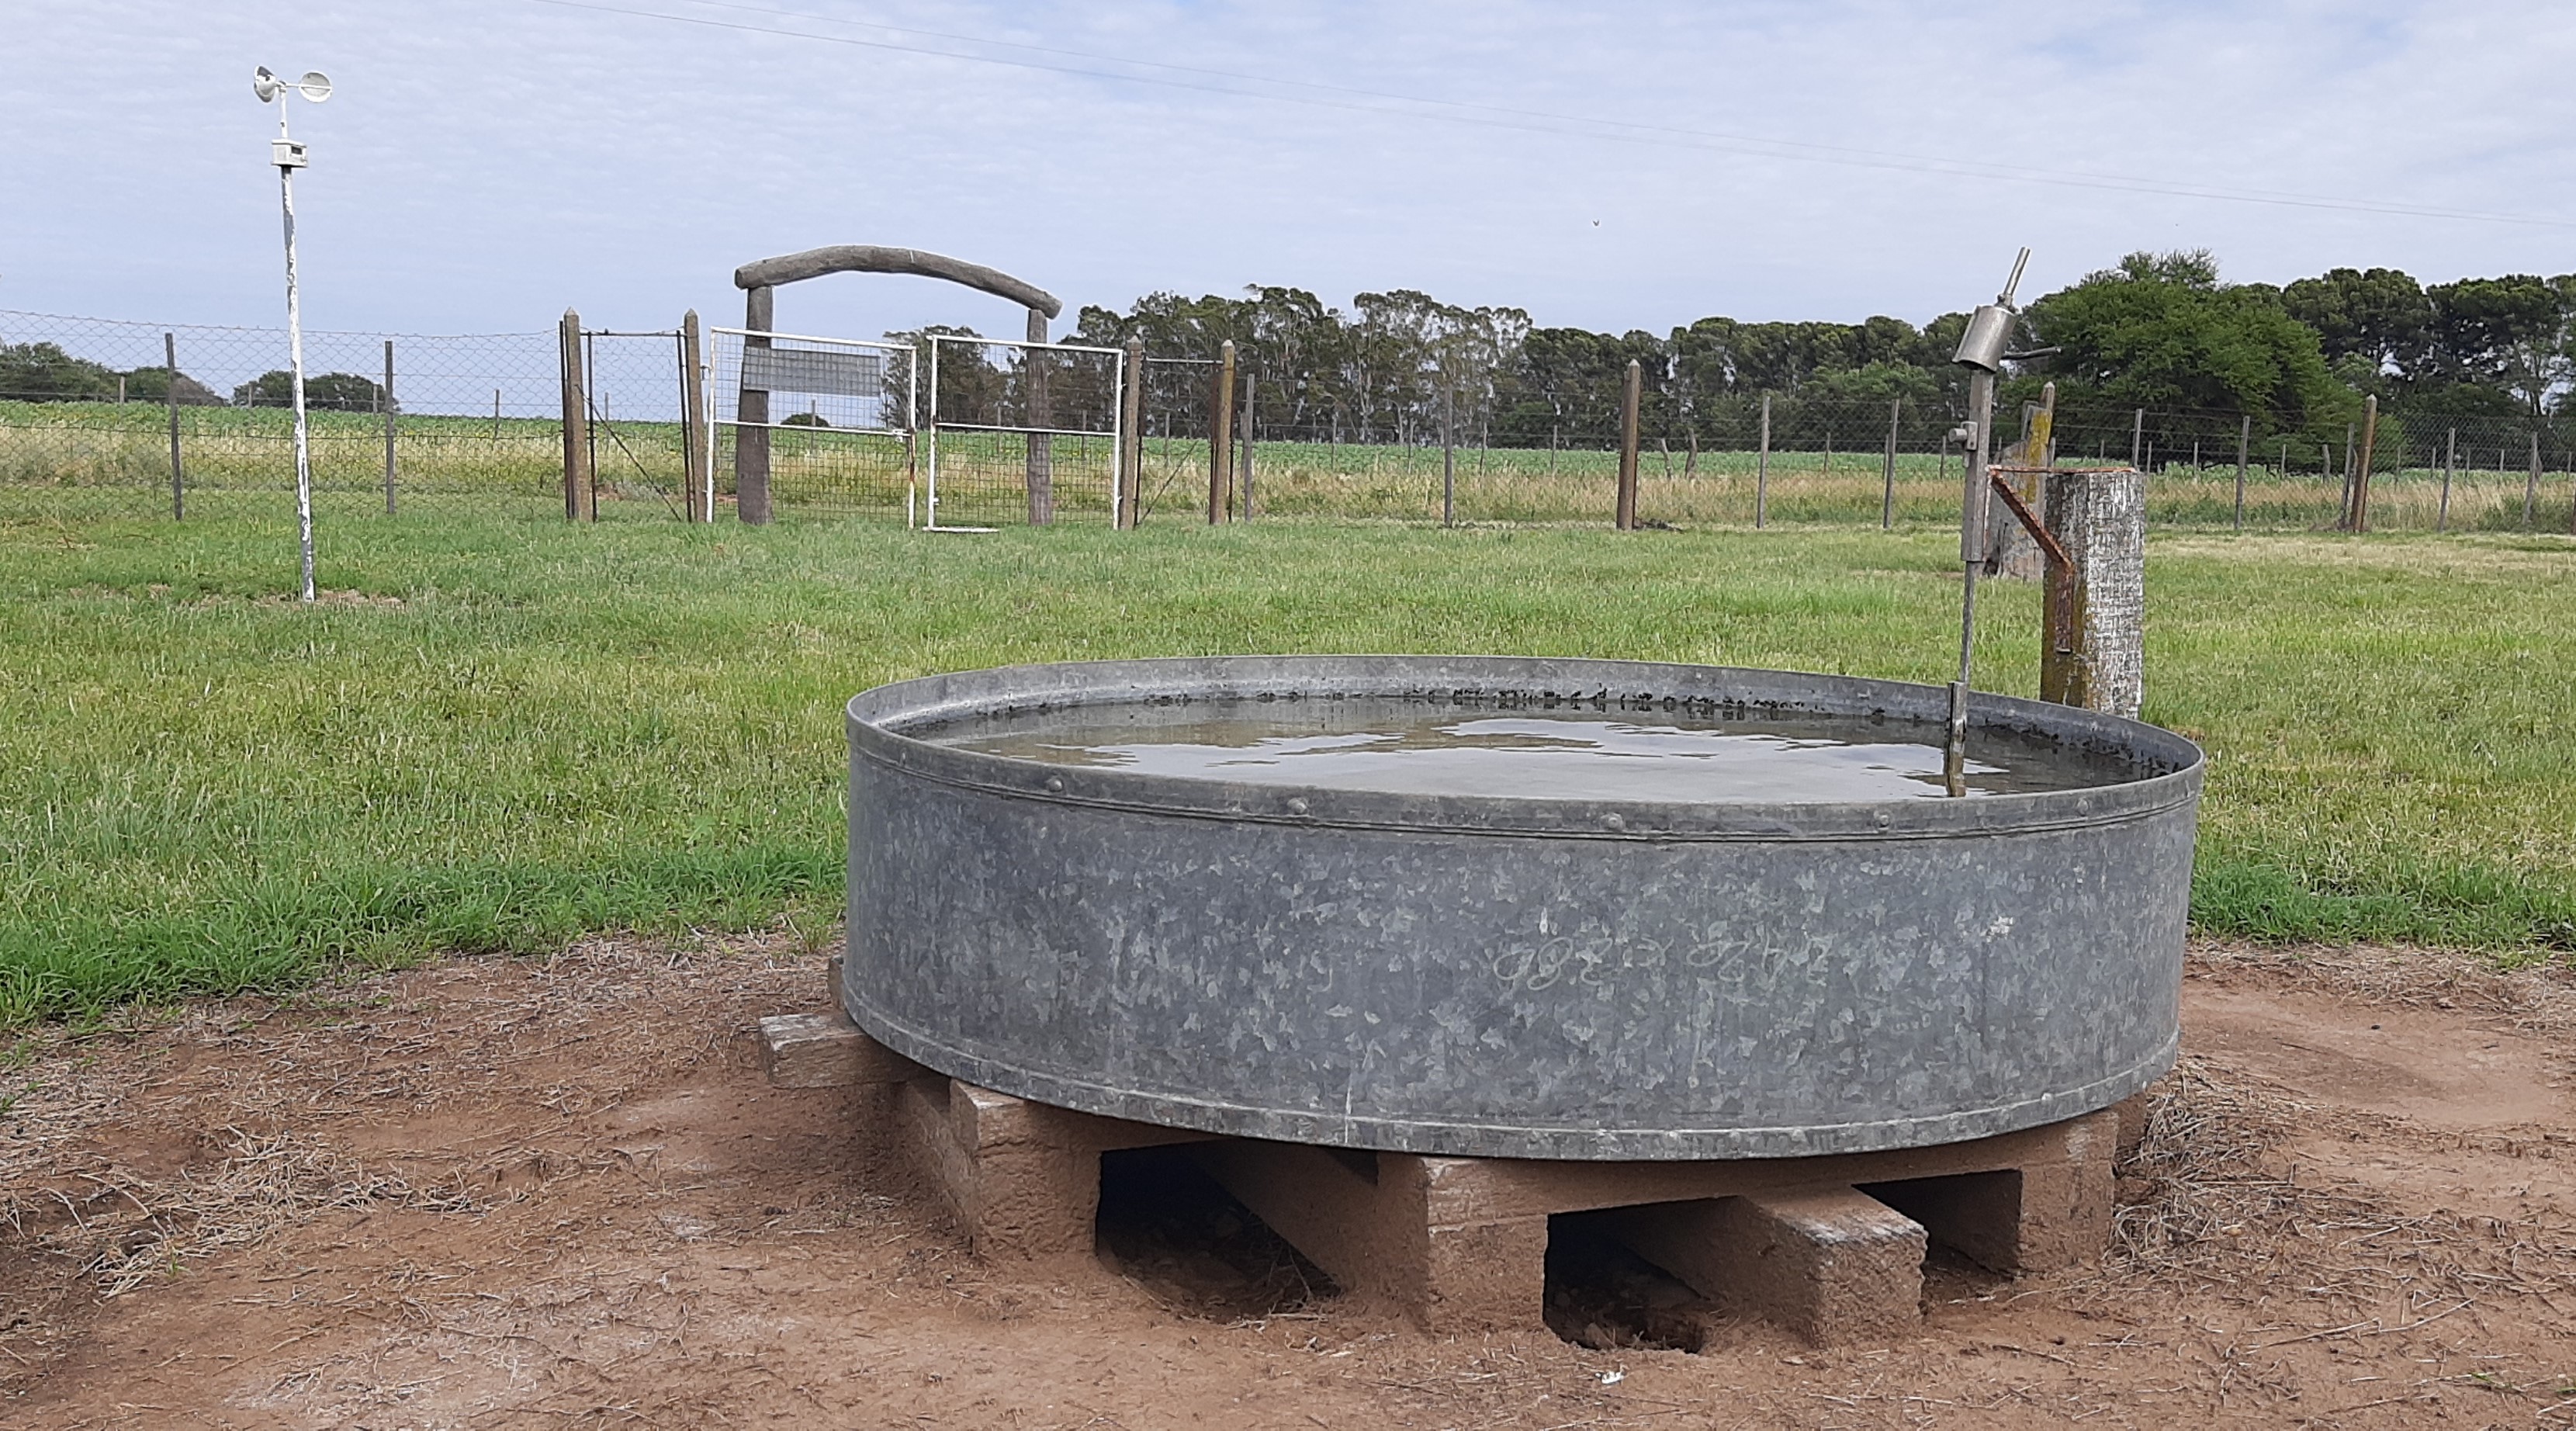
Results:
526 730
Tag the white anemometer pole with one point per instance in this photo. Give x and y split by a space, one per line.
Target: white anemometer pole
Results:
288 156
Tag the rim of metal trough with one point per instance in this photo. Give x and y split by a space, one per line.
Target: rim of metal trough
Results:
879 720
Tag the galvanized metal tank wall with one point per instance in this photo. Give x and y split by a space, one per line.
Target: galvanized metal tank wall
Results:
1488 976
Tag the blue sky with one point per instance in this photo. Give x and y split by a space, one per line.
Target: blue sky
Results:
487 162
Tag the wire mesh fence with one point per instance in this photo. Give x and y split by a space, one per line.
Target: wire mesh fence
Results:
1019 431
99 417
1788 460
826 422
106 417
635 431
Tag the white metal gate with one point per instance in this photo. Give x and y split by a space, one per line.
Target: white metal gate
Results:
814 419
1038 423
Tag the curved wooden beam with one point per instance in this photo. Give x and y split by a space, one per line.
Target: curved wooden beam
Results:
869 258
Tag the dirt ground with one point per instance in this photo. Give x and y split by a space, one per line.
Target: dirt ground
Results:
492 1193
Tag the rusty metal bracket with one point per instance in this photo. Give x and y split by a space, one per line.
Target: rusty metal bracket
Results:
2030 522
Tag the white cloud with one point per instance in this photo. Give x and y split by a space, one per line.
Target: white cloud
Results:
488 162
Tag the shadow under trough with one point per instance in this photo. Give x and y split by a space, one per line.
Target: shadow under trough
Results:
1604 1296
1172 1229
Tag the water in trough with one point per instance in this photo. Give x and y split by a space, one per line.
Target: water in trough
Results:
1420 747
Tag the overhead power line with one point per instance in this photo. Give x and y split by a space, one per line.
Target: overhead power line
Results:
1314 94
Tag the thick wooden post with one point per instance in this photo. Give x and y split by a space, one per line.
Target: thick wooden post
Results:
751 415
178 474
697 454
1762 468
2094 654
1630 392
1131 437
1221 439
581 503
1041 464
2361 473
385 401
2011 554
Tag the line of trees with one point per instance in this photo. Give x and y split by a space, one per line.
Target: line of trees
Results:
2162 332
44 372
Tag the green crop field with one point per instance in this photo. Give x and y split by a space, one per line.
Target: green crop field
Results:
93 459
496 733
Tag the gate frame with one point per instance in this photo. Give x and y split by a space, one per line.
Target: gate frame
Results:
909 432
1117 420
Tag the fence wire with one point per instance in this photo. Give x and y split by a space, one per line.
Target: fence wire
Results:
1018 432
96 418
831 419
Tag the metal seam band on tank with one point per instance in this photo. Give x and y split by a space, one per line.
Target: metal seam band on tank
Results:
1038 793
1437 1138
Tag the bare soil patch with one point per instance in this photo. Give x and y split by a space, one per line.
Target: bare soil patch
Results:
495 1193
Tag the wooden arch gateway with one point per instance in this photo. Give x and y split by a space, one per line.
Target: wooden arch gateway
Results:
760 282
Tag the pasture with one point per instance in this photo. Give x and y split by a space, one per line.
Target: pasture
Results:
498 734
103 459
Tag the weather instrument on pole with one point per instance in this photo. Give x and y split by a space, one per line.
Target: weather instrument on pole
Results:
287 153
1982 353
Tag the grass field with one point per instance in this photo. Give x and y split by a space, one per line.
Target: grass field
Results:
499 733
100 459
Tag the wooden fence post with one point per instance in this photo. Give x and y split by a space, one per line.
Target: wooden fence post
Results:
581 503
178 474
1221 439
1762 468
751 415
2531 485
2571 485
2450 456
2244 449
1887 498
2137 437
697 453
385 400
1629 393
1243 428
1448 459
1131 437
2343 522
1041 463
2361 473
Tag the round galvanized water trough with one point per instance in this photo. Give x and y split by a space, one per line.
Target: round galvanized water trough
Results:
1499 976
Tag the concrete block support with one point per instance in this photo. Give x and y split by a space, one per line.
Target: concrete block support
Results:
1019 1179
1460 1244
1833 1265
1424 1237
827 1051
2132 1111
1830 1248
